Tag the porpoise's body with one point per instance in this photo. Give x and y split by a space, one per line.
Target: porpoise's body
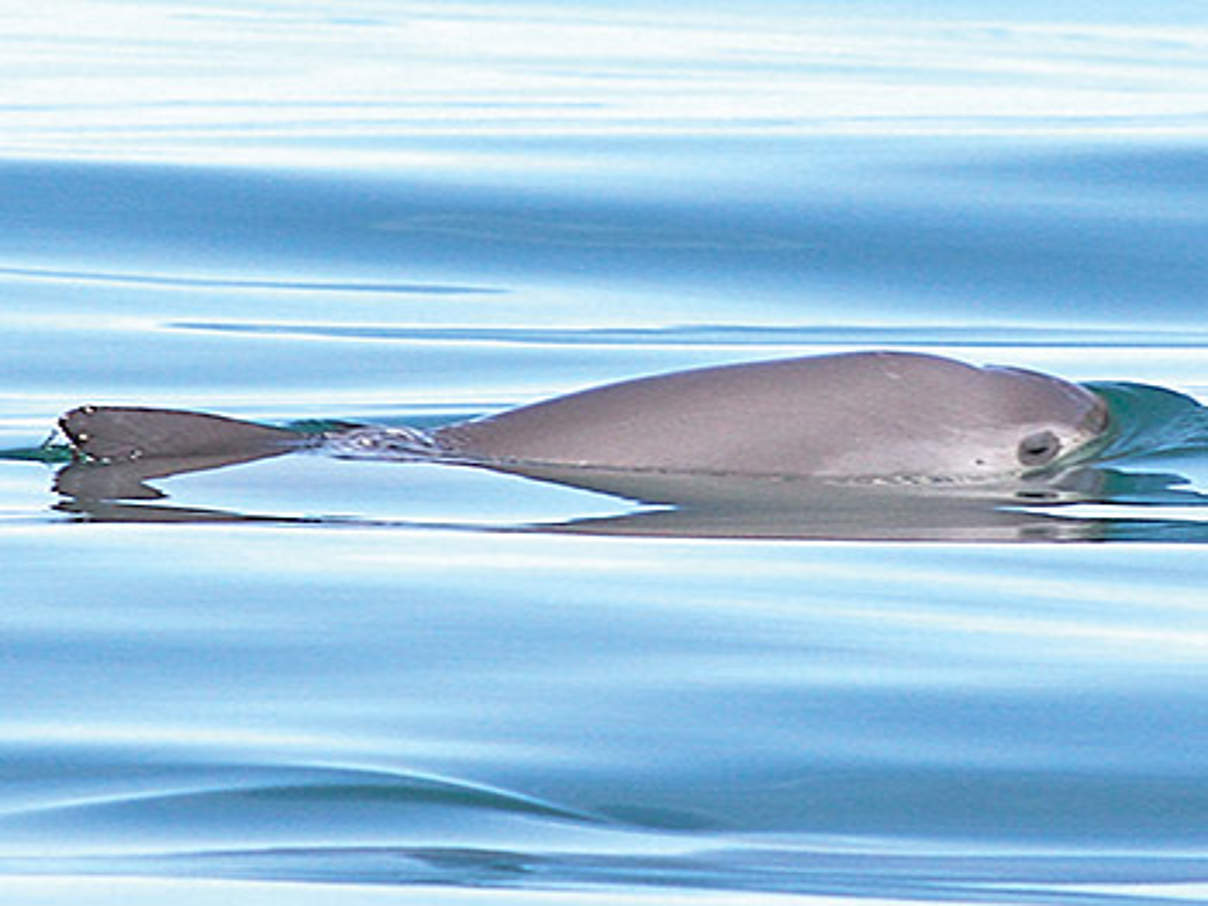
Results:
853 415
862 415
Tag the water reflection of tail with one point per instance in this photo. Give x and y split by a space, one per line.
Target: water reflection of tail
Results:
118 450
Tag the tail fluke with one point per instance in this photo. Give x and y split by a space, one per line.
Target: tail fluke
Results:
123 433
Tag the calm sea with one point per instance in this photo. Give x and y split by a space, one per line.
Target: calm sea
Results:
312 680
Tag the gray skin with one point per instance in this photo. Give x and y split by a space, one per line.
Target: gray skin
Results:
883 416
892 415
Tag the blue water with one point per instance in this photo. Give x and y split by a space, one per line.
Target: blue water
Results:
319 680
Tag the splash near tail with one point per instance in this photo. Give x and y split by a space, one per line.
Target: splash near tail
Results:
399 444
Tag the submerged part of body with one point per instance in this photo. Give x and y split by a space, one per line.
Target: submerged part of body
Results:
865 415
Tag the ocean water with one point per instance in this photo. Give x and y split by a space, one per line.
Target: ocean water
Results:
320 680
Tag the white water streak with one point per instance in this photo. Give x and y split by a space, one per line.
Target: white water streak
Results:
155 80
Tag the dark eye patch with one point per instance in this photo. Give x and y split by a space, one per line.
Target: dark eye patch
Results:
1039 448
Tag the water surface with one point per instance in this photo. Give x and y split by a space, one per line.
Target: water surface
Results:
370 681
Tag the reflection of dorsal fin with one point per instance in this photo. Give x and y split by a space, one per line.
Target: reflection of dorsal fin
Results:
125 433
